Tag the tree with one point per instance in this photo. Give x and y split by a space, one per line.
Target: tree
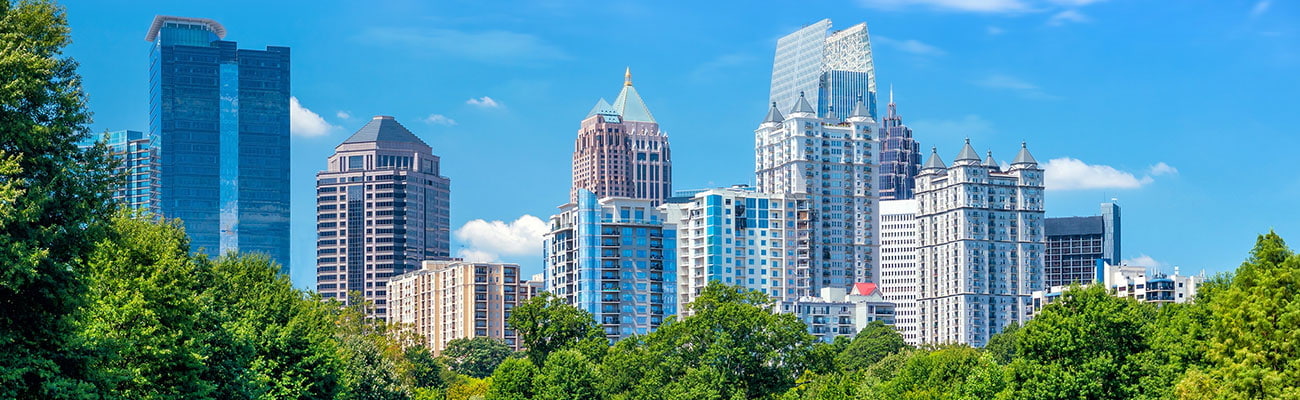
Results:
53 203
567 375
513 380
949 372
872 343
1002 346
476 357
372 360
545 323
425 370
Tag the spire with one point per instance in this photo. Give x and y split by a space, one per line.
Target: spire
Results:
773 115
802 106
629 105
627 77
891 94
990 162
934 162
1023 157
967 154
602 107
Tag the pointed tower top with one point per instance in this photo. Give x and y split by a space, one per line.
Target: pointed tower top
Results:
627 77
967 154
629 105
383 128
990 162
802 106
773 115
1023 157
860 109
934 162
602 107
891 94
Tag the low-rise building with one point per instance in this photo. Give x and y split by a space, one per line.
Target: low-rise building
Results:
1143 284
840 313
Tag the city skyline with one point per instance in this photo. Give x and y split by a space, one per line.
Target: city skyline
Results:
464 122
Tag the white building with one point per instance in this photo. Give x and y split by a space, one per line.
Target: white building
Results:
980 245
831 163
840 313
1136 282
898 268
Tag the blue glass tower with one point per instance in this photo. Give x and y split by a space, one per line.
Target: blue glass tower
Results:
219 118
900 156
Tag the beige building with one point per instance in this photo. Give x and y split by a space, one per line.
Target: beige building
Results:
447 300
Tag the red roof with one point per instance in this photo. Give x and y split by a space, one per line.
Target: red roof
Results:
864 288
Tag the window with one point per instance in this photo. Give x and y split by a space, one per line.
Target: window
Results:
356 162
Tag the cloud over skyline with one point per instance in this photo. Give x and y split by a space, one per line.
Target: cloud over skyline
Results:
306 123
490 240
1067 173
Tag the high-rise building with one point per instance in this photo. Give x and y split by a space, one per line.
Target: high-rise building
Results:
898 267
138 169
219 118
448 300
900 156
829 162
1074 244
613 257
980 245
620 151
834 69
739 236
382 208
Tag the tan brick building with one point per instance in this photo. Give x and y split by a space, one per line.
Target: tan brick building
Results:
448 300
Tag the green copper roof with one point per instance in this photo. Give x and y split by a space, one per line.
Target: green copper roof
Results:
631 107
384 129
602 107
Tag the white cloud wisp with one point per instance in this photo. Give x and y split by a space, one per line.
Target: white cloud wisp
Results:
485 102
306 123
489 240
1070 174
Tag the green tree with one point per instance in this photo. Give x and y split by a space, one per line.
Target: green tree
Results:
1002 346
373 363
545 323
567 375
513 380
1254 346
425 369
950 372
872 343
53 203
477 356
822 358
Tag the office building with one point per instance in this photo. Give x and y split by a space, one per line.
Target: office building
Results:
1074 244
739 236
382 208
447 300
833 69
981 245
219 119
613 257
898 265
830 163
137 189
620 151
900 156
837 312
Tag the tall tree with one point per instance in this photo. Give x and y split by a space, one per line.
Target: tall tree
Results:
55 200
567 375
545 323
477 356
513 380
872 343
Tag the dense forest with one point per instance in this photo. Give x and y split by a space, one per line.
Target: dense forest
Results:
98 303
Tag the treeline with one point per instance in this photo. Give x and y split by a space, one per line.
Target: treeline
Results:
99 304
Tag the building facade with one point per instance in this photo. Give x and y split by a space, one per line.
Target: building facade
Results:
1074 244
620 151
981 245
899 270
615 258
900 156
382 208
1140 283
739 236
833 69
447 300
837 312
138 187
219 118
829 162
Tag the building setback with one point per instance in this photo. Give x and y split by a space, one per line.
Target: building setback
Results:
219 117
1074 244
448 300
382 208
620 151
833 69
981 243
613 257
829 162
898 266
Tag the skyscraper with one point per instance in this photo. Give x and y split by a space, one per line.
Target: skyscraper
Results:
138 171
614 258
898 266
382 208
900 156
219 117
981 245
621 152
1074 244
831 163
832 69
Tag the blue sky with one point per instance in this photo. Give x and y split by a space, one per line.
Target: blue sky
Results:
1184 111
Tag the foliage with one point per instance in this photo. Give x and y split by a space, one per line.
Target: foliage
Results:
872 343
545 323
476 357
512 380
567 375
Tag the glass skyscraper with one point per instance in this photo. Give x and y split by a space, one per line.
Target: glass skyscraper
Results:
832 69
137 188
219 118
900 156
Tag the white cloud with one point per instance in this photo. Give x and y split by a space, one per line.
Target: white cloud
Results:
1071 174
969 125
1162 169
975 6
994 31
439 119
1067 16
1020 86
908 46
485 102
493 46
477 256
304 122
1260 8
343 115
491 240
1142 261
